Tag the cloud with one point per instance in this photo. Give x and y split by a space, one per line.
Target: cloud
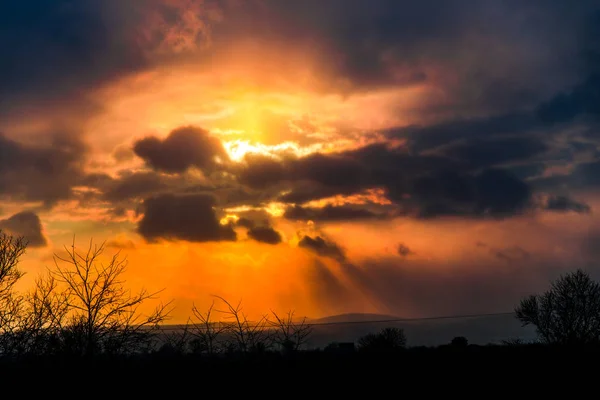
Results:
422 185
183 217
264 234
511 254
388 43
135 185
328 213
69 48
65 48
581 100
46 171
121 244
261 171
322 247
458 130
404 250
246 223
183 148
565 203
28 225
481 153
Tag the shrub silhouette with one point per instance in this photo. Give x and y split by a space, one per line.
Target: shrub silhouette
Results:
568 313
460 341
388 339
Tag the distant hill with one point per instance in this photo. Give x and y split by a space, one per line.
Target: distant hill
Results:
355 317
478 330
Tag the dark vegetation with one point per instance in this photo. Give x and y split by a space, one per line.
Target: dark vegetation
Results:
81 319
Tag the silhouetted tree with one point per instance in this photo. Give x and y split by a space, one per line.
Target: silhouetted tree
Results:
568 313
87 303
290 335
207 332
244 335
11 304
460 341
44 317
388 339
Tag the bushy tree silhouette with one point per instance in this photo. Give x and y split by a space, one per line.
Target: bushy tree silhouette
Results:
388 339
568 313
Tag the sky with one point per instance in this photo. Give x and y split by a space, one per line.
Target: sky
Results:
386 156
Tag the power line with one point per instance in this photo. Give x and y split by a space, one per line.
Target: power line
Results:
267 325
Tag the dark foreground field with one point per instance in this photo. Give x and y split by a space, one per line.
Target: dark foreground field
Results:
487 370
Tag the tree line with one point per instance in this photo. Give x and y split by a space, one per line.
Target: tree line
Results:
82 307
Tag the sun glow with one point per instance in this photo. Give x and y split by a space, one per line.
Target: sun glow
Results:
275 209
237 149
228 219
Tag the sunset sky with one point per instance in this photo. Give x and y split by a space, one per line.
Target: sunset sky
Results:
415 158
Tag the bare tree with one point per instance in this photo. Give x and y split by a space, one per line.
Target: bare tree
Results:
102 315
206 331
247 336
11 303
568 313
289 334
44 317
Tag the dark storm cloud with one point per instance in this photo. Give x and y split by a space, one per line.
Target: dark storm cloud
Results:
183 217
183 148
54 50
383 43
245 223
322 247
136 185
484 57
582 100
494 192
27 225
426 186
264 234
328 213
585 175
428 137
477 165
480 153
45 172
262 171
565 203
59 49
328 170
